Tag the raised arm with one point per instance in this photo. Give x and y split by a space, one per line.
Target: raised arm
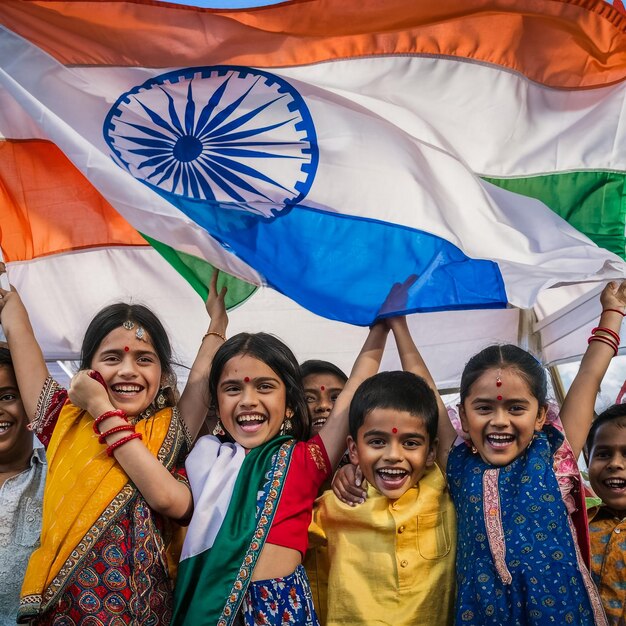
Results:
335 430
28 362
161 490
412 361
194 401
577 409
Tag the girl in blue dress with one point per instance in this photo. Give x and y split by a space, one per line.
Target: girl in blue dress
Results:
522 546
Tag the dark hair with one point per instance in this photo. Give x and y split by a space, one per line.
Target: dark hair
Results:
400 391
112 317
5 357
315 366
276 355
612 413
507 356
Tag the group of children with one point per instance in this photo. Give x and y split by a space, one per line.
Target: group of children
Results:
488 528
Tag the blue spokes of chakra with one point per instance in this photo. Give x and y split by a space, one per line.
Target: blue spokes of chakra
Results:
233 136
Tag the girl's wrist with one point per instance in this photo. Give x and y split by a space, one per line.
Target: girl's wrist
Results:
218 326
111 422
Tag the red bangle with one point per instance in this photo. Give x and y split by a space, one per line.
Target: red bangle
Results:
608 331
121 442
115 429
614 311
115 412
606 340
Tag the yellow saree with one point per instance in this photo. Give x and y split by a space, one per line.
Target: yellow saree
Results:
85 491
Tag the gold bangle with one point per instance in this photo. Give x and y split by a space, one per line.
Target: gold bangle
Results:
214 332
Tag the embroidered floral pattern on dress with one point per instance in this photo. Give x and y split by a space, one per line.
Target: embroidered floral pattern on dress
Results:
280 601
317 456
106 591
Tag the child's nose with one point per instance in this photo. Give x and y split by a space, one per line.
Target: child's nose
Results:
323 405
394 452
248 395
127 368
500 418
617 462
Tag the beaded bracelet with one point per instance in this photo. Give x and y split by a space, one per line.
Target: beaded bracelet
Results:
121 442
115 412
606 340
615 311
116 429
214 332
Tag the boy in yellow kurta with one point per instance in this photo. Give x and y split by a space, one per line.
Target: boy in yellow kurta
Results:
391 559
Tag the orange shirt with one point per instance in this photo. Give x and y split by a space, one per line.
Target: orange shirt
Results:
608 562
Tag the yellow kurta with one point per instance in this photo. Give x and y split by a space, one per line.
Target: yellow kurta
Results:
389 562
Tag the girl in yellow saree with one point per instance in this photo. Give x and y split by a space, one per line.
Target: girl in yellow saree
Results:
116 484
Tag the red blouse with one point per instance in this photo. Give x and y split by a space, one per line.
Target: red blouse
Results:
308 469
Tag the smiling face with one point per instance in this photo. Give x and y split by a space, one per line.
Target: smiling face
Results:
393 450
251 400
607 465
16 441
320 391
501 420
130 368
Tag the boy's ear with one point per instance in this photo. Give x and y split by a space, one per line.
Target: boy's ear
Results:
432 453
463 418
352 451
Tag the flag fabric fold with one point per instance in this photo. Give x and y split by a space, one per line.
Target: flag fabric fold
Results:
329 150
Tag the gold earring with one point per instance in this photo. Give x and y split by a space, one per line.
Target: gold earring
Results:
219 431
287 426
161 400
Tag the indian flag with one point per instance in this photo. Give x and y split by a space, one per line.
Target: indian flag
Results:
325 148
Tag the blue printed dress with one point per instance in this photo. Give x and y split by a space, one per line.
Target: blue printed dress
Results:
518 561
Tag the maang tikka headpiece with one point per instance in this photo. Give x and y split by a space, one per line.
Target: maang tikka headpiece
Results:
140 333
499 378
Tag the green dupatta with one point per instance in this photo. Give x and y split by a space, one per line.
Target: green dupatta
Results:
210 586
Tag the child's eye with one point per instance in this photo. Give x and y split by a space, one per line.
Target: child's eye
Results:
8 397
411 443
309 399
334 397
265 387
376 443
516 408
231 389
483 408
145 359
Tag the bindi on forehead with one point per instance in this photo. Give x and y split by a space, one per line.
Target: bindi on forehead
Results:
246 379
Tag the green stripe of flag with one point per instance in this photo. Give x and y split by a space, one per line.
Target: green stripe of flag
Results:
592 202
198 272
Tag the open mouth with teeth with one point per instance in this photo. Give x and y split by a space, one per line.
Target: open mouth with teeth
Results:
126 389
250 423
500 440
5 426
392 477
318 422
615 484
